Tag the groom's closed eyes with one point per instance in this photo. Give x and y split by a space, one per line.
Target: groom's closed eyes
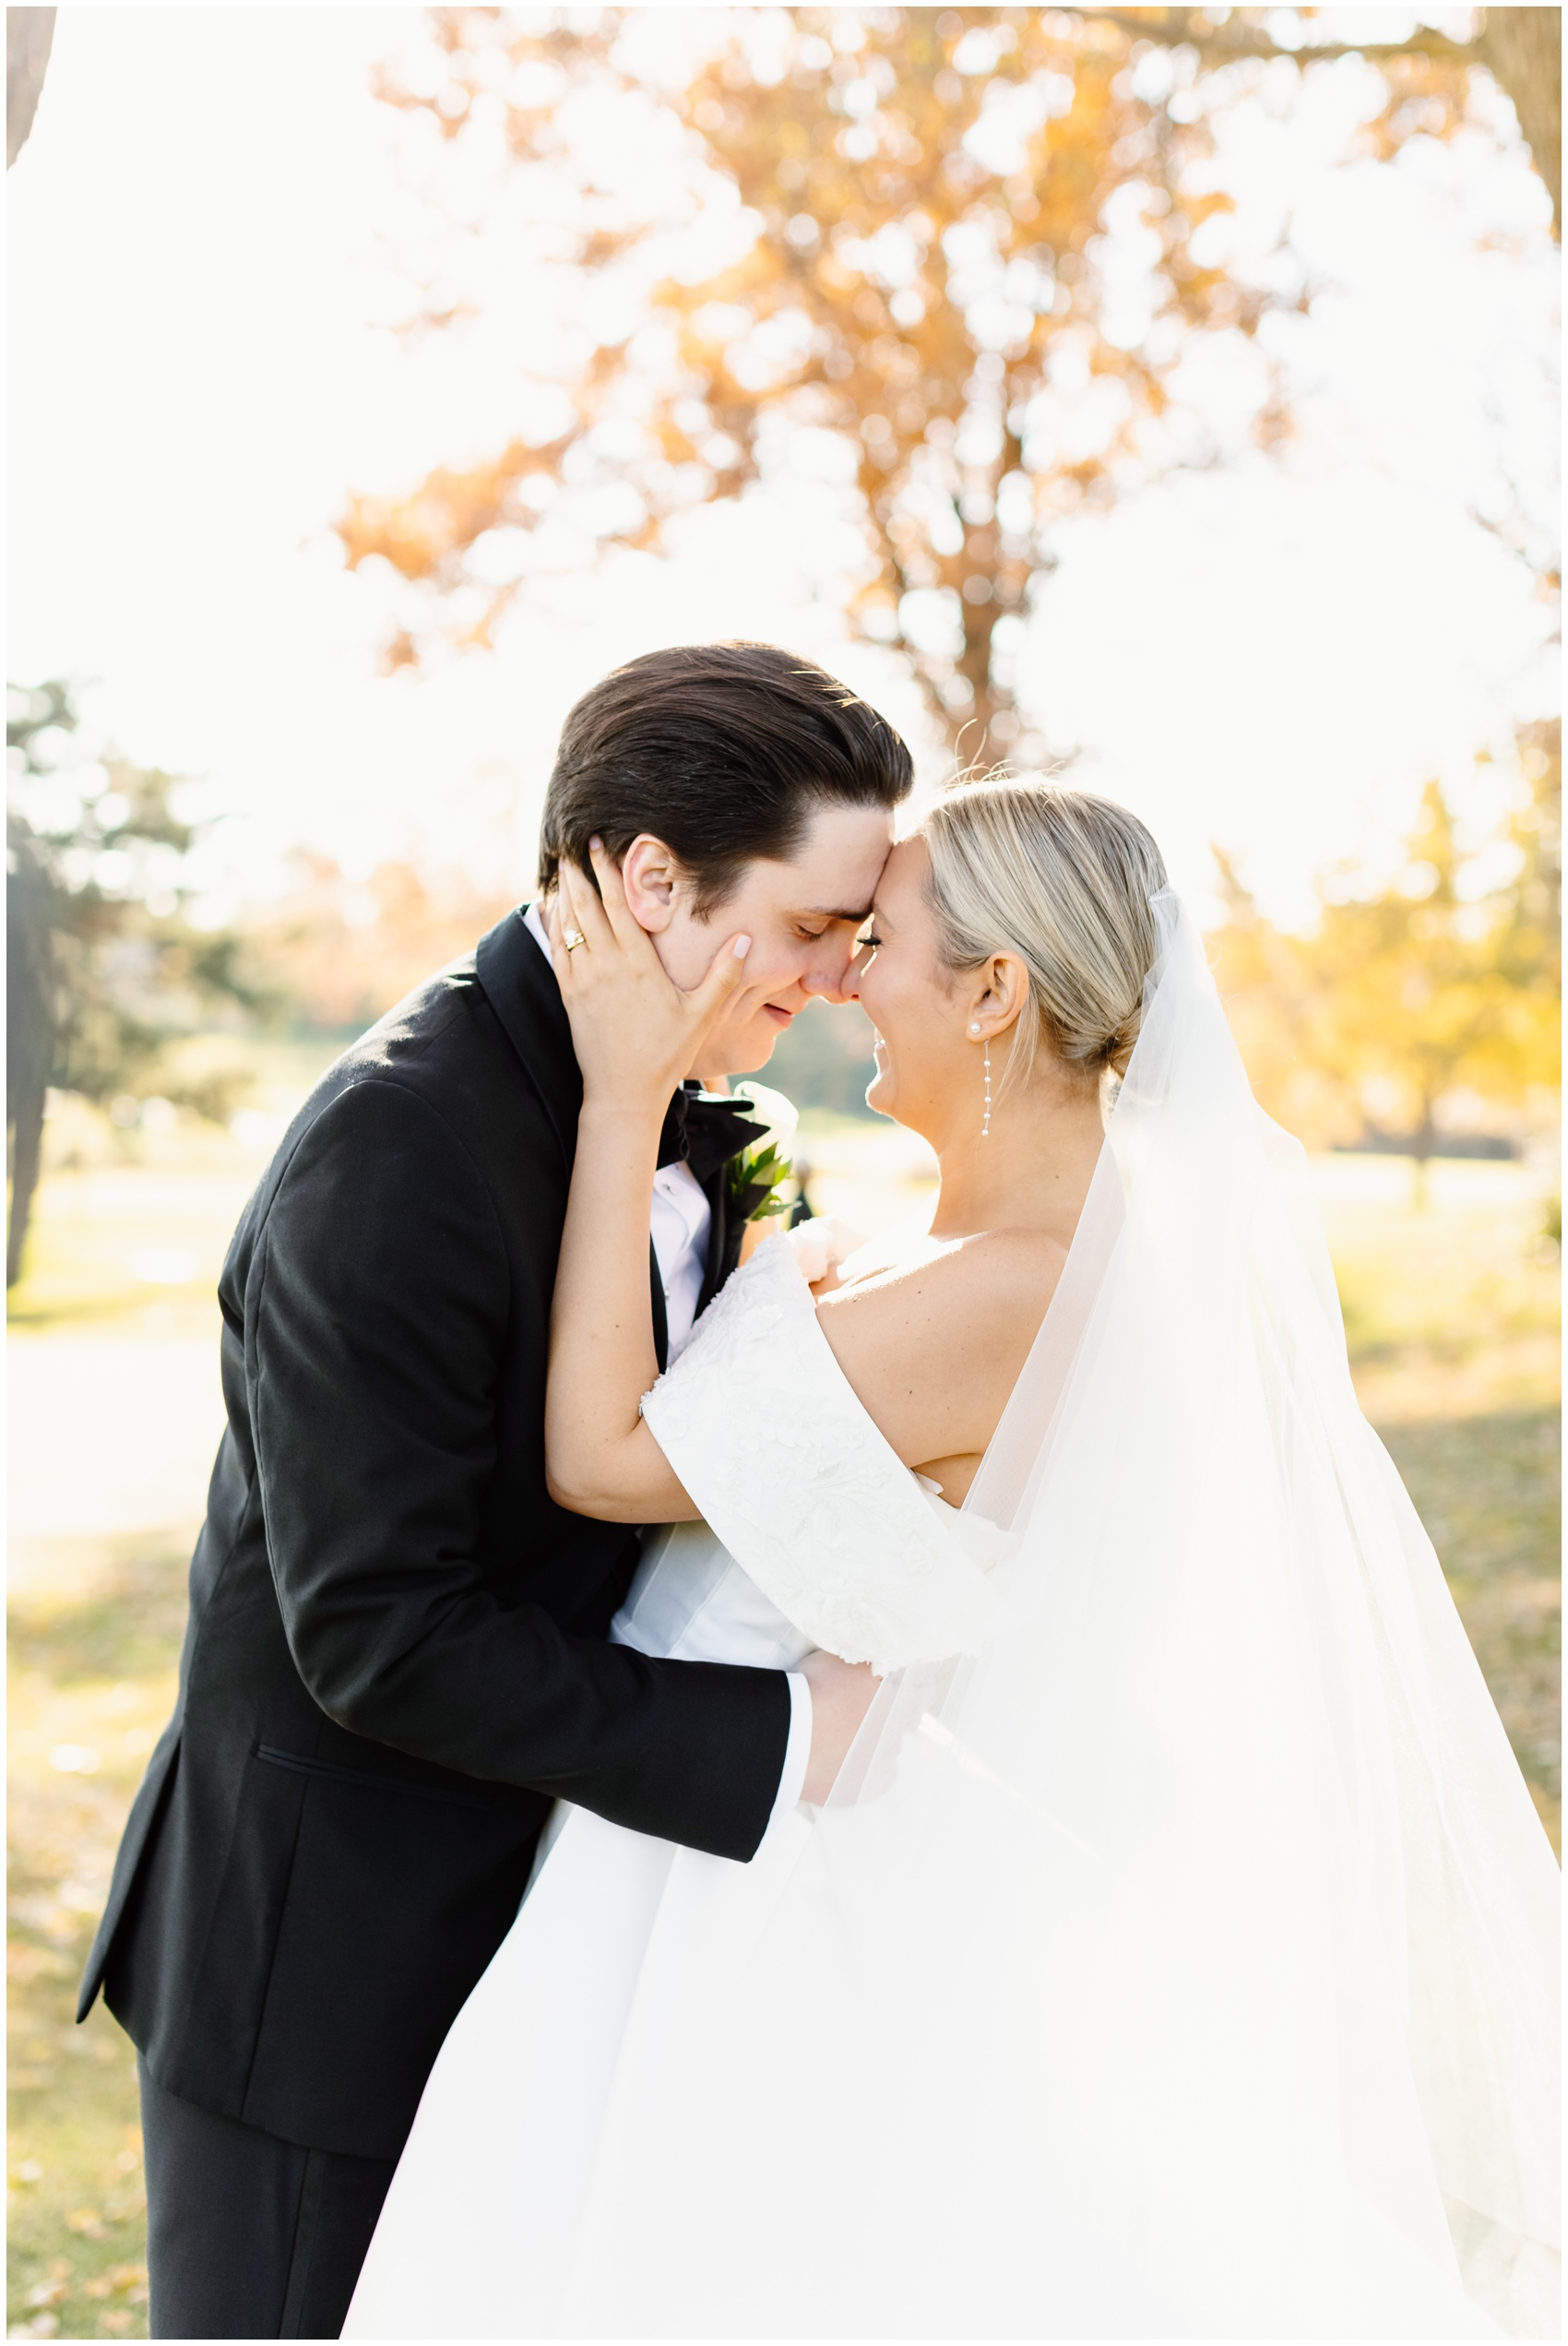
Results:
802 913
825 917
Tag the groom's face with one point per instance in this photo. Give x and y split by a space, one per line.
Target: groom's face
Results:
801 915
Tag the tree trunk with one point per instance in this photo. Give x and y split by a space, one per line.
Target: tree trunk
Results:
1522 49
1423 1142
979 742
29 33
29 1030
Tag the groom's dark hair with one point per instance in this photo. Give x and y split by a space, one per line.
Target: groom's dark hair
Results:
723 751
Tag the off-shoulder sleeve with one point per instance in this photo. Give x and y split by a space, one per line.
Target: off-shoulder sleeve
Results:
766 1432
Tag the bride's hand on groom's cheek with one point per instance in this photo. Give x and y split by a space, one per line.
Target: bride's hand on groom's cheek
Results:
842 1693
636 1033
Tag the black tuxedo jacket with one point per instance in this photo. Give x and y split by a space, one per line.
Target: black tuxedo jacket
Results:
396 1656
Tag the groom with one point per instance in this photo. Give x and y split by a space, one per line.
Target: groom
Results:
396 1654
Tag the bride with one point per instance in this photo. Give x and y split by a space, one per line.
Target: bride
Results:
1174 1955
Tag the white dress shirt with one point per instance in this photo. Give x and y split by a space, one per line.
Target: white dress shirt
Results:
680 1219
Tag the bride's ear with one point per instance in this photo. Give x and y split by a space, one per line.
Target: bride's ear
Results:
650 874
1004 988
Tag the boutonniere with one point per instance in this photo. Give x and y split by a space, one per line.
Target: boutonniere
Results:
758 1174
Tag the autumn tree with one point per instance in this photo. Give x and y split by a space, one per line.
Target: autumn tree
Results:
1399 998
968 256
1530 934
339 952
108 970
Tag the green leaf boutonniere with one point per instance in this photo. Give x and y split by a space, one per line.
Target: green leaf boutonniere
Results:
757 1175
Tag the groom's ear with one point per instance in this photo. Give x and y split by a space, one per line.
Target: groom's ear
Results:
650 874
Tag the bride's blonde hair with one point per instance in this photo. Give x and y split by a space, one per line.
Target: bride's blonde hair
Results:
1064 880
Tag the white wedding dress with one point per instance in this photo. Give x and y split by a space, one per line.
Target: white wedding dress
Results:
584 2030
1177 1955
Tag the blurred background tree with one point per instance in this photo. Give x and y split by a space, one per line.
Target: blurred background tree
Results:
1520 48
339 952
970 264
1407 1009
109 972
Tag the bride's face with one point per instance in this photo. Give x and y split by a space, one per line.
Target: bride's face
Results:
927 1069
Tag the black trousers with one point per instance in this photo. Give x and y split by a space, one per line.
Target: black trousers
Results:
248 2236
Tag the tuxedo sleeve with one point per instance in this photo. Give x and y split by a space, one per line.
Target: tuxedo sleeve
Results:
377 1308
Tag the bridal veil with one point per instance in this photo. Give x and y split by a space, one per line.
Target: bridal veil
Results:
1285 1980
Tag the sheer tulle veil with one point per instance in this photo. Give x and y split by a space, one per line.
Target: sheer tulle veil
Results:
1218 1855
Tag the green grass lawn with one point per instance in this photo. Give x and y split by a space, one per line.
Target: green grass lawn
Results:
1452 1317
1488 1490
92 1682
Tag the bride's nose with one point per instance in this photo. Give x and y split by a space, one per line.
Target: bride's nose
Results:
835 979
855 970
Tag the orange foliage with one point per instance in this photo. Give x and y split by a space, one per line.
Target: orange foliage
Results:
342 953
974 246
973 250
1424 1000
926 195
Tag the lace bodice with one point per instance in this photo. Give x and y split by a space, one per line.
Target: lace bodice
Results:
797 1483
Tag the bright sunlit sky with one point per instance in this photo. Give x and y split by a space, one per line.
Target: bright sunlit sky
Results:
1274 657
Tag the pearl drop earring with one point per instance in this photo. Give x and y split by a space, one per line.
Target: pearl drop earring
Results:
985 1121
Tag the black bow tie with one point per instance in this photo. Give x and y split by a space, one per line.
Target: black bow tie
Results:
705 1130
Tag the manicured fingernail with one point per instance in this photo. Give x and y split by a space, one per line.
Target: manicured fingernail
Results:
595 846
743 946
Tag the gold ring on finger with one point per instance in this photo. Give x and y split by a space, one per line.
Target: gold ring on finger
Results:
572 939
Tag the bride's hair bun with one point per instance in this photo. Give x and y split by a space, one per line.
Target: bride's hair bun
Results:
1064 880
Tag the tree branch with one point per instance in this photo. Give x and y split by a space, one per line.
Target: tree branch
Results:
1176 28
1521 48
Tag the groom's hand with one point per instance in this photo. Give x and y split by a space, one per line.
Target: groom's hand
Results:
842 1693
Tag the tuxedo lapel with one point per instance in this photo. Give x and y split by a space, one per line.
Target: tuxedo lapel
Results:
716 1268
520 987
660 1319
